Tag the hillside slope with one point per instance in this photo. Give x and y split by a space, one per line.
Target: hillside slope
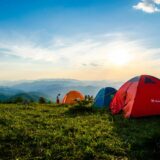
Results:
52 132
29 97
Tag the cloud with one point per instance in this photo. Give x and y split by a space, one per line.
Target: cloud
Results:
72 53
28 51
148 6
91 65
157 1
80 58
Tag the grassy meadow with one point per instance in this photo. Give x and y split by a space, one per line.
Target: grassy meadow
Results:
57 132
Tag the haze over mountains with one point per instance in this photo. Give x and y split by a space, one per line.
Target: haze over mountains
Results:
49 88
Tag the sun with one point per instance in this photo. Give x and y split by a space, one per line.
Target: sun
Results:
119 57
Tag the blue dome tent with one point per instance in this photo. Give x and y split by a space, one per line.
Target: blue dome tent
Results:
104 97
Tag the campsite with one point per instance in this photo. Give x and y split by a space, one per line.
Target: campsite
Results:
79 80
80 127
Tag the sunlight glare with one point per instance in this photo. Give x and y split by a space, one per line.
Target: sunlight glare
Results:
119 57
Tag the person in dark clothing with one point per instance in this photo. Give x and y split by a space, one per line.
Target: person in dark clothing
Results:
58 100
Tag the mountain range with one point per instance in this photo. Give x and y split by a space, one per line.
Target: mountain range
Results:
49 88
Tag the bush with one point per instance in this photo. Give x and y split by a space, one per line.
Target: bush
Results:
18 100
42 100
81 106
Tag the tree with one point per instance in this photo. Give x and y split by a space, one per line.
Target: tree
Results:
42 100
18 100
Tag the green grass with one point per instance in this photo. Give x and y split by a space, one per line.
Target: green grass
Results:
53 132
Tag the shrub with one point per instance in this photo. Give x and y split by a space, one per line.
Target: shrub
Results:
81 106
42 100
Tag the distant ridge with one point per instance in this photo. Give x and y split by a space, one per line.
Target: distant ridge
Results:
49 88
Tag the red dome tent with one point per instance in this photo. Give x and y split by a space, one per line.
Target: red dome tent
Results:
138 97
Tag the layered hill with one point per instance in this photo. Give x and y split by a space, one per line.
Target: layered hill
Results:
50 88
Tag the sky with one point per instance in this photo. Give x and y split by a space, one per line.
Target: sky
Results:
79 39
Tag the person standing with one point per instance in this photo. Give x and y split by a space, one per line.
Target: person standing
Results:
57 99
